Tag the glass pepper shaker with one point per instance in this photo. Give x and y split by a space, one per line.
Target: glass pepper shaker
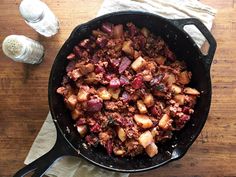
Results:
23 49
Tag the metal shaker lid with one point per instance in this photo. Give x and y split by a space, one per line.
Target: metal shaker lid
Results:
14 46
31 10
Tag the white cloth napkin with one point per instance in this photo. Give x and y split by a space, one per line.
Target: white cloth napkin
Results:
78 167
172 9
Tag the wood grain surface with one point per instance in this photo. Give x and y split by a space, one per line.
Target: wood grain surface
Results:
23 92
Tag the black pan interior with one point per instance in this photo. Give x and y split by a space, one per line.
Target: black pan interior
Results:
184 48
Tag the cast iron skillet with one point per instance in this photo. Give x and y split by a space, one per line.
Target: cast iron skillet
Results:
69 142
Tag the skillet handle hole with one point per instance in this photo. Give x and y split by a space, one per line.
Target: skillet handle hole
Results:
198 38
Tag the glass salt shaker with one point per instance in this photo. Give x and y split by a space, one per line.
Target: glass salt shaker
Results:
38 15
23 49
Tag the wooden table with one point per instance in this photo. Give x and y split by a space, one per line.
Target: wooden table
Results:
23 93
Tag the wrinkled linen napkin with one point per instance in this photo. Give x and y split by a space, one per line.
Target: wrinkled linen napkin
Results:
173 9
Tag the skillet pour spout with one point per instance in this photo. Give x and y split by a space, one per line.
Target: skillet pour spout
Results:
69 142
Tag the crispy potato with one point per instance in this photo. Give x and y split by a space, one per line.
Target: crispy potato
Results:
138 64
191 91
180 99
85 69
137 54
127 48
143 120
71 102
75 114
82 95
118 31
145 139
154 132
165 122
151 149
121 134
151 66
145 32
169 79
91 78
147 75
118 152
74 74
184 77
176 89
114 93
148 100
141 106
82 129
103 93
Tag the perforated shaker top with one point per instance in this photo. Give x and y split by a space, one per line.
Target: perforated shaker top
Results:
31 10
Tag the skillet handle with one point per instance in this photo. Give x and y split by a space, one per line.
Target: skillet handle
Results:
40 165
180 23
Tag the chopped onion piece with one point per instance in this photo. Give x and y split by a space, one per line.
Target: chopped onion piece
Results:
125 62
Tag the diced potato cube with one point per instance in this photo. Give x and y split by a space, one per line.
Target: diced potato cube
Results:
71 102
143 120
118 152
104 136
75 74
179 99
92 78
151 66
151 150
85 69
154 132
121 134
82 129
138 64
127 48
147 75
82 95
169 79
191 91
137 54
165 122
75 114
160 60
148 100
145 32
141 106
114 93
184 77
103 93
61 90
145 139
118 31
118 47
90 67
176 89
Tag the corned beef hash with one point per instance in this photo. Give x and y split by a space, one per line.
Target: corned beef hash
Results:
126 90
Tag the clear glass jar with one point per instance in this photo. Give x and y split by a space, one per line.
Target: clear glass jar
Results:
38 15
22 49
